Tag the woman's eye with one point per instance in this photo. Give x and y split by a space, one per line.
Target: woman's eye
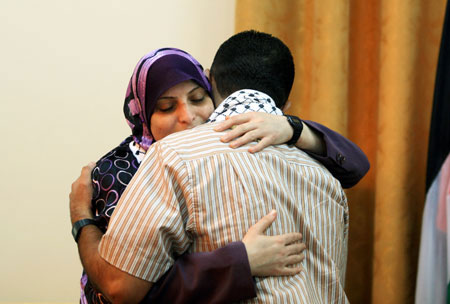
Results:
165 109
198 99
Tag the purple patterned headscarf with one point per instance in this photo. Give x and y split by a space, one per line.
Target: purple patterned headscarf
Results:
154 74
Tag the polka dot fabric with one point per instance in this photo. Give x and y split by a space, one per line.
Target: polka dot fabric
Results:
111 176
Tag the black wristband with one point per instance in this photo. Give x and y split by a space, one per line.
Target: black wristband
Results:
76 228
297 126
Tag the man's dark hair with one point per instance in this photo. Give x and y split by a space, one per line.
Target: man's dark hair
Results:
254 60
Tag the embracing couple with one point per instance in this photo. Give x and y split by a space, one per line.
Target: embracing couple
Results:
193 212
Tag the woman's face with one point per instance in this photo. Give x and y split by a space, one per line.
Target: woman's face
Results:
183 106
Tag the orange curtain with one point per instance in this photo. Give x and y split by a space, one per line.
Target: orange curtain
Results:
367 69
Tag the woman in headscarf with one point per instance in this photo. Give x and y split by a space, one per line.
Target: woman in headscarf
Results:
169 92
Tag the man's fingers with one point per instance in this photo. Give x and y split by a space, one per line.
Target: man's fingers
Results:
89 166
86 170
265 222
84 180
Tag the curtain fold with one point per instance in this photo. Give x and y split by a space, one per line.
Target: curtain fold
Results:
367 69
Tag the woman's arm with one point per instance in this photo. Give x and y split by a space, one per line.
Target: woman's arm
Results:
225 274
340 156
343 158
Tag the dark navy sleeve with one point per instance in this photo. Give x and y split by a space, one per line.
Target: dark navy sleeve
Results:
344 159
220 276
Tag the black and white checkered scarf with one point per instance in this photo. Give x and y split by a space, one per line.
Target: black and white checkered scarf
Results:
244 101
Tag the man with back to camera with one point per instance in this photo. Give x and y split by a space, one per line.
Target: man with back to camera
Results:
281 178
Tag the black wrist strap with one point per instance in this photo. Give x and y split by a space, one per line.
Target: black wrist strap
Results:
76 228
297 126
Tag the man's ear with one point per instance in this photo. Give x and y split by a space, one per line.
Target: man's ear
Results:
207 74
286 106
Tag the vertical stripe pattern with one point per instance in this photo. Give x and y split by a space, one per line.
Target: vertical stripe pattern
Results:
205 195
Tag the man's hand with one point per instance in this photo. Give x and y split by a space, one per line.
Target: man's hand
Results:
81 195
273 255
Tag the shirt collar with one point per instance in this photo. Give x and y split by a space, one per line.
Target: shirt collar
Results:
244 101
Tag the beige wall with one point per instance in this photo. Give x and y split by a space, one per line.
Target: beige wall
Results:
64 67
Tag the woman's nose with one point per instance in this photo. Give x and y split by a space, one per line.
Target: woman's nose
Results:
186 114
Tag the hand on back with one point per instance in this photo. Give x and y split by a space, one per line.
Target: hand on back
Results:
273 255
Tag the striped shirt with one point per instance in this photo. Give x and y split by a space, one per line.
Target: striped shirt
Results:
199 194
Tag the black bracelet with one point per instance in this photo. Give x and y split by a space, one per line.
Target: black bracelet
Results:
297 126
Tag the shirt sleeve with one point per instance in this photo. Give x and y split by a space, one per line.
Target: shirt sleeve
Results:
147 229
219 276
344 159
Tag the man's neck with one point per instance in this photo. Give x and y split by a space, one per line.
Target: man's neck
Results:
244 101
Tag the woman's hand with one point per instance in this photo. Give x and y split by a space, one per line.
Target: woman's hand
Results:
268 128
273 255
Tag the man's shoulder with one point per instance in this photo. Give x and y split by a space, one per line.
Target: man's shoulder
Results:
191 136
203 142
198 142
